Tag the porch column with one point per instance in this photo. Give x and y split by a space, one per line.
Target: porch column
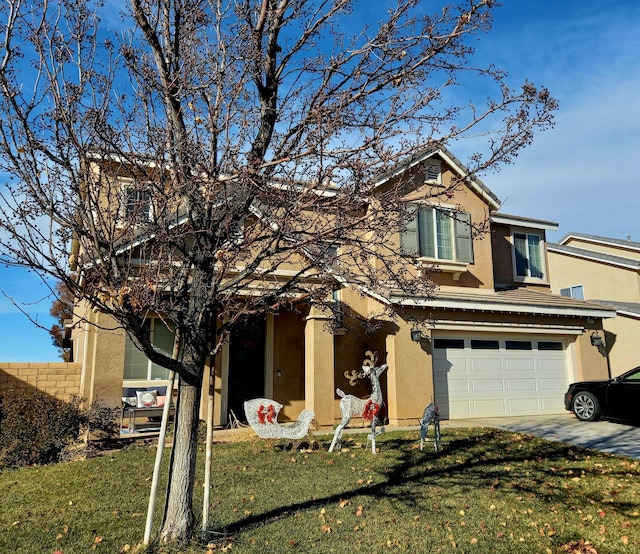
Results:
409 376
104 361
319 384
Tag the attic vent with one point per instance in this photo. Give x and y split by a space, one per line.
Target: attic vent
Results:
432 172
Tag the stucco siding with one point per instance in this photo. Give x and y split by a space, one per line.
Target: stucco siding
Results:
600 281
622 334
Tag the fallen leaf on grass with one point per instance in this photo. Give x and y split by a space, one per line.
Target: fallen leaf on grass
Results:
326 529
359 511
579 547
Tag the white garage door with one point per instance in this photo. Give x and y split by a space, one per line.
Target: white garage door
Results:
494 376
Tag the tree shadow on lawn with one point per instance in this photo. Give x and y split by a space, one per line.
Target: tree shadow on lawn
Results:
520 465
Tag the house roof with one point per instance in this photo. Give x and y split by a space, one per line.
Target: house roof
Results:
515 301
474 182
625 243
623 308
601 257
507 219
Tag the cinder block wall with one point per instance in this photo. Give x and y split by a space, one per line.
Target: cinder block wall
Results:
58 379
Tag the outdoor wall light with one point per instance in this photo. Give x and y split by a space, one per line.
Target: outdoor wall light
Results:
597 340
416 335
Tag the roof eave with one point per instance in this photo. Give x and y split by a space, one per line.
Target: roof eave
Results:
501 307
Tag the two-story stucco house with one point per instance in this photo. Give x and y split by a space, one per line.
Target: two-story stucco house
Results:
607 271
491 340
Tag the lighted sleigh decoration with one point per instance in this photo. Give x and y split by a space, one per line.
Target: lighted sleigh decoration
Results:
262 416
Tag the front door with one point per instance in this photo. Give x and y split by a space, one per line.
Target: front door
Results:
246 365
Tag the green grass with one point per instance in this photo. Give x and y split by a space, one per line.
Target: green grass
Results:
488 492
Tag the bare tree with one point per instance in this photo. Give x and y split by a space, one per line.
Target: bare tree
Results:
203 162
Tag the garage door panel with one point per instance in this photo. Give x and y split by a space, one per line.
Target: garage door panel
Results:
458 386
553 365
519 385
553 385
487 385
523 406
494 406
485 364
459 409
477 382
519 364
552 405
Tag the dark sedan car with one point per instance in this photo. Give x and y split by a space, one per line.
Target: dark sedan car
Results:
617 398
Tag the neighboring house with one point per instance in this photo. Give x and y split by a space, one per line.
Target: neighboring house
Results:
606 271
492 340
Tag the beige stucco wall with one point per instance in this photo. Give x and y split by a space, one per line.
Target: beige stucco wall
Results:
478 274
409 376
600 281
621 337
58 379
99 345
592 361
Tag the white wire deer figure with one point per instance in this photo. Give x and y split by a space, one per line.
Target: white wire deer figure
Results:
431 415
368 408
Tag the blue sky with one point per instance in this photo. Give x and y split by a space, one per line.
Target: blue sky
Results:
582 174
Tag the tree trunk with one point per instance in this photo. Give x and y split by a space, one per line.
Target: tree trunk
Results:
179 518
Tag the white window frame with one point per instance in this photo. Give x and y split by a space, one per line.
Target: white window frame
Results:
571 289
528 278
127 189
413 240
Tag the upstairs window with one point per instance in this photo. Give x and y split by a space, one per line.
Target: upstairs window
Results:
136 205
529 256
439 234
573 292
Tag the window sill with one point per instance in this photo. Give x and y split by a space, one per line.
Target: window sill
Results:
447 266
530 280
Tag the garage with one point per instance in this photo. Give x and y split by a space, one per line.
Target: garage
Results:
488 375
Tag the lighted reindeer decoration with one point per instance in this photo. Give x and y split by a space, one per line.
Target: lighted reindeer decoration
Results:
368 408
431 415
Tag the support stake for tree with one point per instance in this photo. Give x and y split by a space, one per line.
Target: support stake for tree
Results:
161 439
209 448
156 467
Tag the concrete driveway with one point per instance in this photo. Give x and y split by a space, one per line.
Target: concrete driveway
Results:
605 436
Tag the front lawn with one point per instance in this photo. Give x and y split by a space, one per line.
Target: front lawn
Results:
489 491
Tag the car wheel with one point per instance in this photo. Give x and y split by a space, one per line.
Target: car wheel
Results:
586 406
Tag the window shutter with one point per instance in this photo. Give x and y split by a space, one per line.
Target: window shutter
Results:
464 240
409 236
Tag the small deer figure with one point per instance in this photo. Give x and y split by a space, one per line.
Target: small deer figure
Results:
430 415
368 408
